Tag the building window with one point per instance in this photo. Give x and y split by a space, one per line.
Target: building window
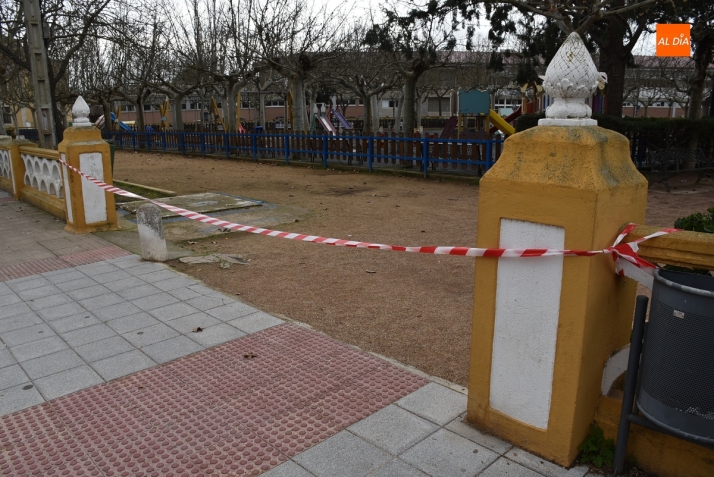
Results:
6 115
390 103
661 104
184 106
245 105
506 103
195 106
219 105
433 105
627 104
128 108
275 102
353 102
147 107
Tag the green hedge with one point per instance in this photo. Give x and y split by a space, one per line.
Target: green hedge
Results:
661 127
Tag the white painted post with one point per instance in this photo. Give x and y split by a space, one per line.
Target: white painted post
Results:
151 233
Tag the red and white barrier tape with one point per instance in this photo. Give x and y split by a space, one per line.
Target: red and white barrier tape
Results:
628 263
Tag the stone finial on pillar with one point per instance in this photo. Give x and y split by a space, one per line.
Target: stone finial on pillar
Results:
570 79
151 233
80 111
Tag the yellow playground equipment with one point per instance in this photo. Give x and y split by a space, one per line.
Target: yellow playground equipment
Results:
477 104
164 111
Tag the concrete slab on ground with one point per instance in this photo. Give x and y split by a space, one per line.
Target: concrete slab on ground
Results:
204 203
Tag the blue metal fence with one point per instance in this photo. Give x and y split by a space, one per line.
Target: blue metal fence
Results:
372 152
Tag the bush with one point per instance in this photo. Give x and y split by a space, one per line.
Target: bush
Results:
596 450
697 222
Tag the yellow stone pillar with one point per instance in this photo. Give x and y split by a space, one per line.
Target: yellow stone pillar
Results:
543 328
89 208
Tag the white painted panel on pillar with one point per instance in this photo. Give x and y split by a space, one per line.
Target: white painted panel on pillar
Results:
526 325
95 202
67 194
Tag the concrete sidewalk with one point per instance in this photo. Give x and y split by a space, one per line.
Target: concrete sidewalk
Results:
104 371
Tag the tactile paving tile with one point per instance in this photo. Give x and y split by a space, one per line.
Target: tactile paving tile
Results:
295 430
240 408
16 427
35 455
238 454
390 382
347 405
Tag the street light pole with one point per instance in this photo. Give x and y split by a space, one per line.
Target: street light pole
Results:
44 103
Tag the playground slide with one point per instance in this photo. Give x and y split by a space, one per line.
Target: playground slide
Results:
327 126
451 124
500 123
509 119
121 124
343 122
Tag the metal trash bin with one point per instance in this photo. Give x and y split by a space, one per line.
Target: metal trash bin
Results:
676 388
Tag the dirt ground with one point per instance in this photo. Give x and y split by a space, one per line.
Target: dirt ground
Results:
411 307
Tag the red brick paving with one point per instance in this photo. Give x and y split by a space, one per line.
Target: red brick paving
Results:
19 270
241 408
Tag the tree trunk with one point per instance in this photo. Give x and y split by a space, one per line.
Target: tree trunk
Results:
298 91
230 106
400 110
375 112
261 106
177 112
409 105
702 60
107 114
613 61
141 125
367 115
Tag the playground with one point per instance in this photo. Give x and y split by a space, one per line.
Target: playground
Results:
413 308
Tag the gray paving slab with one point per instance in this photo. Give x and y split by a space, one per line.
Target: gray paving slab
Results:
150 335
170 349
447 454
14 310
19 397
87 335
393 429
232 311
119 310
256 322
186 324
62 277
216 334
158 275
77 284
35 349
27 283
579 471
342 455
397 468
144 269
19 321
173 311
112 276
173 283
104 348
184 294
6 358
5 290
49 301
52 363
481 438
203 303
88 292
140 291
434 402
288 469
39 292
98 268
101 301
122 364
507 468
11 376
132 322
152 302
9 299
66 382
126 261
63 325
203 289
62 311
125 283
535 463
26 334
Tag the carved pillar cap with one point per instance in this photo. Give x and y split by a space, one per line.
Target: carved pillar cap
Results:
80 111
570 79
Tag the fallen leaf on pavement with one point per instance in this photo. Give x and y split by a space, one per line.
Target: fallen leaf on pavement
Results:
197 329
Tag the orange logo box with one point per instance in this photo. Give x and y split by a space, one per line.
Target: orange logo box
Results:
673 39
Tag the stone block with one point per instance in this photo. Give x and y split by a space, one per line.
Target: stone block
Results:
435 403
66 382
342 455
256 322
52 363
122 364
393 429
170 349
449 455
